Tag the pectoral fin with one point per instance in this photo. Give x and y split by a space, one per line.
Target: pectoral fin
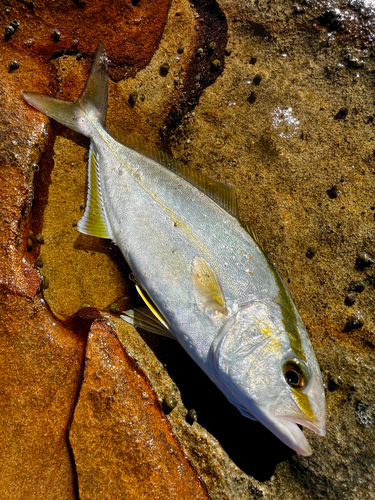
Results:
207 288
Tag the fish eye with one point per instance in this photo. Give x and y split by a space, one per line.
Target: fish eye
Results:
296 373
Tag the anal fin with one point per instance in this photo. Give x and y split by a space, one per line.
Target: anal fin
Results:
145 319
157 314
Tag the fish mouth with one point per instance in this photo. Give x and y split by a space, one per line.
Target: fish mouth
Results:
289 432
294 437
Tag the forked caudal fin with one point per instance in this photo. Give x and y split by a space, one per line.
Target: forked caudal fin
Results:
82 116
92 105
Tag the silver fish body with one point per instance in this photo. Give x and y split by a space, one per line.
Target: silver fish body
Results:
213 284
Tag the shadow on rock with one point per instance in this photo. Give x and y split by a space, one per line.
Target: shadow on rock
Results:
252 447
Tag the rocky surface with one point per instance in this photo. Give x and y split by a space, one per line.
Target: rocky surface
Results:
275 97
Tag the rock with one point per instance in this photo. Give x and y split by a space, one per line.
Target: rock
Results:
285 147
121 441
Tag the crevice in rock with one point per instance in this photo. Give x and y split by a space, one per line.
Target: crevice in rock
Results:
252 447
204 67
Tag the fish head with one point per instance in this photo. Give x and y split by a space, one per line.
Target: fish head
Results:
270 374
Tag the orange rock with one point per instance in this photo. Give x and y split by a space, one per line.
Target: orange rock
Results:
40 371
121 440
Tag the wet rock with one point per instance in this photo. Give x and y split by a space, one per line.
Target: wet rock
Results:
310 69
113 412
40 384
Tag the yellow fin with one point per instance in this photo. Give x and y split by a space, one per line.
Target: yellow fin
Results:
143 318
207 287
94 221
222 193
152 306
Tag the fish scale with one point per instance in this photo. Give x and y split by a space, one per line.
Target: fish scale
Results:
206 280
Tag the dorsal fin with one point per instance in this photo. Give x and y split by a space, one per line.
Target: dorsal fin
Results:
222 193
94 221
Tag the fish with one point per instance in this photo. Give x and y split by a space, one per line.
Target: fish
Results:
205 278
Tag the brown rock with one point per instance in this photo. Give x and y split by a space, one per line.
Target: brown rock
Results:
121 440
40 371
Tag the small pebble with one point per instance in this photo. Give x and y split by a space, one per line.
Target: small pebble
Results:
358 286
311 251
114 308
199 51
39 262
9 31
164 69
82 206
192 416
84 305
13 65
180 49
31 235
56 35
29 245
40 239
143 97
215 65
354 321
228 51
170 401
364 260
350 299
176 80
45 282
74 223
212 46
133 96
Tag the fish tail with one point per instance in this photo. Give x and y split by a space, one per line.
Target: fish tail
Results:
91 107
